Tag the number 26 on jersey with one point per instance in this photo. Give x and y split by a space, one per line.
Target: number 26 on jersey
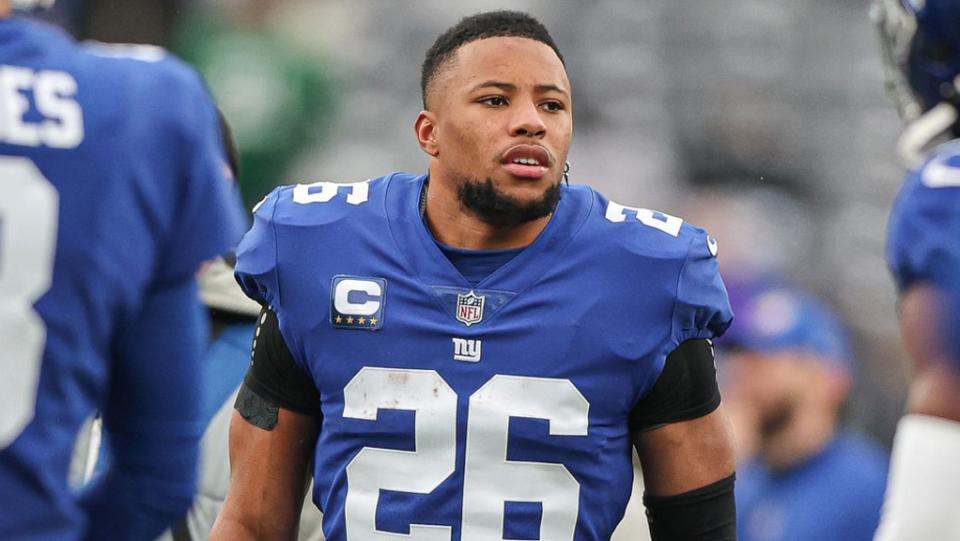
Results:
489 478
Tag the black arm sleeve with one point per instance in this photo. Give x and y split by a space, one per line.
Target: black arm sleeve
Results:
687 388
705 514
274 376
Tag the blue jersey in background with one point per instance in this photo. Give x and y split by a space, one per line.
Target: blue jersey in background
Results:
923 244
835 495
114 190
491 410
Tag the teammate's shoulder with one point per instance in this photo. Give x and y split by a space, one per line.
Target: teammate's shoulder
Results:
145 72
48 46
43 33
644 231
938 175
924 222
324 202
928 203
148 60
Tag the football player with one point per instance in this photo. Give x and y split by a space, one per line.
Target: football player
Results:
921 44
470 353
115 189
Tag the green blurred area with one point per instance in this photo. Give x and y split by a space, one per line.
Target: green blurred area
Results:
275 96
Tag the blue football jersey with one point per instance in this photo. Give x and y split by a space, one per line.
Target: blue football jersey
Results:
835 495
924 230
113 180
499 411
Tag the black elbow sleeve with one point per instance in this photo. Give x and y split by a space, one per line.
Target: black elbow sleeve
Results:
705 514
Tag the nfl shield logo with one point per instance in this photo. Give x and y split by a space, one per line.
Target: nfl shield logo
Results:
469 308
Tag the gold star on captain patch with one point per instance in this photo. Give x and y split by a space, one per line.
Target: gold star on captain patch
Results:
349 320
373 321
339 319
362 320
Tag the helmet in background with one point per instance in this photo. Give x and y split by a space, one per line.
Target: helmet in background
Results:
920 40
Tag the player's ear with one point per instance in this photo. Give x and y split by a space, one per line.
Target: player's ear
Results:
426 129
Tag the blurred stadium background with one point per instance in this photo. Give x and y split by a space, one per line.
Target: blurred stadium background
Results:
762 120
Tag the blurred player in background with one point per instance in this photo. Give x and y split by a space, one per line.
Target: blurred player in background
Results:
233 318
921 45
115 190
478 348
786 373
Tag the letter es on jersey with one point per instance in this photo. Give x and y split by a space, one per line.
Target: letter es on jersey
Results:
59 122
357 302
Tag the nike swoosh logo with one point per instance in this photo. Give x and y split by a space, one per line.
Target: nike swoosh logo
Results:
712 245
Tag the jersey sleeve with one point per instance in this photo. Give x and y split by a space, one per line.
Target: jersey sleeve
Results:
684 386
208 216
924 234
257 254
701 308
151 418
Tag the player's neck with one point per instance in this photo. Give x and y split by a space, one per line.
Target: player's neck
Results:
6 10
456 227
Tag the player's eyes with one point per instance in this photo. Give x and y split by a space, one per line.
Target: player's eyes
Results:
553 106
494 101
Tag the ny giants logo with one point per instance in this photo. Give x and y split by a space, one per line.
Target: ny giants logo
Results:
465 349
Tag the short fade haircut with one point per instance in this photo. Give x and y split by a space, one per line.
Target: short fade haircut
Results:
492 24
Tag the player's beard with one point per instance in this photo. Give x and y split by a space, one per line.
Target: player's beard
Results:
500 209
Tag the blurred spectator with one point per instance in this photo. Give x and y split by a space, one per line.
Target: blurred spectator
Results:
786 375
275 95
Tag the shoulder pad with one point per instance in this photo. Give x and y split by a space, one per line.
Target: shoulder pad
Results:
256 268
653 232
148 71
323 202
923 241
299 207
701 308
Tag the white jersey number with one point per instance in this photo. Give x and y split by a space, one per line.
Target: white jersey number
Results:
324 192
489 478
420 471
28 236
670 225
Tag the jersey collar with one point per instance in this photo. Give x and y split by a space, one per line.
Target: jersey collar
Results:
428 263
